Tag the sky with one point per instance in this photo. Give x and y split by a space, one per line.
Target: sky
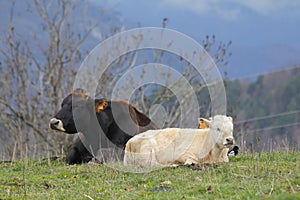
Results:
265 34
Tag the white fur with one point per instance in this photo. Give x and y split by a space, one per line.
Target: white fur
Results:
172 146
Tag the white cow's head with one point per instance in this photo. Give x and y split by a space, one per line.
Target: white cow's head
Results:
221 130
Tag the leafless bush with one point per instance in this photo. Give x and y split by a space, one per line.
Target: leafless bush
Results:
38 71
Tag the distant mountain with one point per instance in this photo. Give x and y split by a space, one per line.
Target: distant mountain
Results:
249 58
29 25
260 42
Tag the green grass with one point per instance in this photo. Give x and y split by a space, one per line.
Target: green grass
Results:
273 175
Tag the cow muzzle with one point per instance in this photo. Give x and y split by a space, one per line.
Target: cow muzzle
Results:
229 141
57 124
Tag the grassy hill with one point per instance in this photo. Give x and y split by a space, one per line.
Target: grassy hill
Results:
274 175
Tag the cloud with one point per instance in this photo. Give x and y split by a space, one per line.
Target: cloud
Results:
96 33
233 9
205 7
269 7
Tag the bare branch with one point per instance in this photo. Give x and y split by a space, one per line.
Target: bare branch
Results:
21 117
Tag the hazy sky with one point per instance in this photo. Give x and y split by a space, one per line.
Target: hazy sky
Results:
265 33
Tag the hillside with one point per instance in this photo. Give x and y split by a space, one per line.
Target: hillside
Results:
267 110
248 176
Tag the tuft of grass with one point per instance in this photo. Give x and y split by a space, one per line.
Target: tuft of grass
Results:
274 175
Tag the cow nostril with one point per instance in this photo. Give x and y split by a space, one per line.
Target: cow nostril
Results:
56 124
229 140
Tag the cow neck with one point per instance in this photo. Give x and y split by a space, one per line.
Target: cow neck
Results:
213 154
105 117
92 134
216 152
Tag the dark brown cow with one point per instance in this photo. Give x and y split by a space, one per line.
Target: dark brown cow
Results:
98 120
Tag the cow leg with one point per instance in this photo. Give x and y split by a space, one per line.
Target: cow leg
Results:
190 161
223 156
78 153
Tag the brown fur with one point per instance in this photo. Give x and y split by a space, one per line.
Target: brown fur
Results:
142 119
80 92
104 117
101 104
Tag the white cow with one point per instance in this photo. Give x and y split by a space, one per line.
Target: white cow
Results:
173 146
205 123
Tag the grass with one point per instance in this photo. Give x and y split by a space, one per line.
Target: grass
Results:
274 175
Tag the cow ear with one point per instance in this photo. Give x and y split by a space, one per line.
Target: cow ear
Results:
203 123
100 104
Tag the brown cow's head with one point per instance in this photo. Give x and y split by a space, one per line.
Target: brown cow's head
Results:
77 106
